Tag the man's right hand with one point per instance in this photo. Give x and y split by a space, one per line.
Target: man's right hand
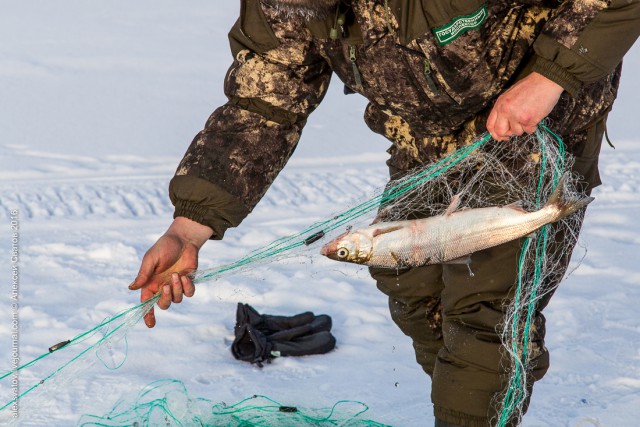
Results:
167 264
521 107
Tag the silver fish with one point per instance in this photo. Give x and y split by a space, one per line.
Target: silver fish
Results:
450 237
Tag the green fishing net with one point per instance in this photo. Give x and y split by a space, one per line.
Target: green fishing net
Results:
482 174
168 403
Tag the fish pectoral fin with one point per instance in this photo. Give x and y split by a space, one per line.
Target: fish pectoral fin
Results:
399 262
466 260
380 231
516 206
453 206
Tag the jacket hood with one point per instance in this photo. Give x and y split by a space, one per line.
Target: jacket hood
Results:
309 9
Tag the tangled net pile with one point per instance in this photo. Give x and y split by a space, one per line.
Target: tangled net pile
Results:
167 403
485 173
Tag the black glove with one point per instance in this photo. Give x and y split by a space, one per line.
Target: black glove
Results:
260 338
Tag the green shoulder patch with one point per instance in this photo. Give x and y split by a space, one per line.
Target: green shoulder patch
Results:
451 31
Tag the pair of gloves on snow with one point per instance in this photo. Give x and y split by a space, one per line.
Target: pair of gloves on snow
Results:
262 337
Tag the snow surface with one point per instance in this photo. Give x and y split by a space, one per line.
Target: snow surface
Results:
99 100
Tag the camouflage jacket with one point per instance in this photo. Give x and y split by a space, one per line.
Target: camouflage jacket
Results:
431 70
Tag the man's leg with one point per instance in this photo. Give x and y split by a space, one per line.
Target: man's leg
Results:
454 318
455 325
471 368
414 304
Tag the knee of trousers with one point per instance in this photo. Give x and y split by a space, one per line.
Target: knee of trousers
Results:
414 305
473 369
422 323
474 393
421 320
414 299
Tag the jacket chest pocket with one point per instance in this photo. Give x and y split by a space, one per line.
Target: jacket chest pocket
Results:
425 76
446 18
441 42
476 65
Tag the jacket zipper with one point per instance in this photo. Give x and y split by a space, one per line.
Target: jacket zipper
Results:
428 74
354 66
427 71
387 14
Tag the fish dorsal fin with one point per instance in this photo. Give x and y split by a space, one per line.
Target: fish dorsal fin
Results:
453 206
516 206
379 231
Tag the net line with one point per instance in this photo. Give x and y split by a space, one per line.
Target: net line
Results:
529 288
122 322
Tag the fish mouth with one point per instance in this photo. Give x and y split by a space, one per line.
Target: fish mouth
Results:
329 250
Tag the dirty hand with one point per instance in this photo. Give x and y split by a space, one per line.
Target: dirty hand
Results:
167 264
521 107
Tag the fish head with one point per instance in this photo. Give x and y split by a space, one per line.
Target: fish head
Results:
348 248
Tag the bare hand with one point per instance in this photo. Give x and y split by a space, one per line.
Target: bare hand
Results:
521 107
168 262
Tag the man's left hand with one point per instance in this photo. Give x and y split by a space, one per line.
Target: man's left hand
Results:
521 107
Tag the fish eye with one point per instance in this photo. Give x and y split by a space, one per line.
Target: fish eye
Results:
342 253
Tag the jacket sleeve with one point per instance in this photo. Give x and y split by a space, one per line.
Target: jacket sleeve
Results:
276 80
585 40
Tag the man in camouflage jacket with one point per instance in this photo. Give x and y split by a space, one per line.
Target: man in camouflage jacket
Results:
437 74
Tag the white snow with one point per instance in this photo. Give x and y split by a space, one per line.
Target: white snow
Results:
98 102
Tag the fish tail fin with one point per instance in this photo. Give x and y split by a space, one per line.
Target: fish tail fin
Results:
564 202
